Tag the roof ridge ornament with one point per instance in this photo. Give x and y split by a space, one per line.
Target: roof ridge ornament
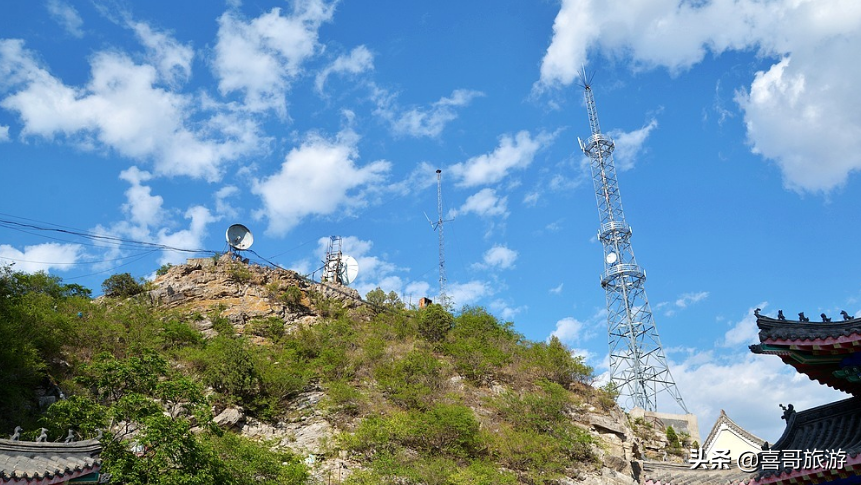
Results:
17 434
788 412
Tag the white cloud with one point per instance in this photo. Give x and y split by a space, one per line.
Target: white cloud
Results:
143 208
320 177
499 257
468 293
4 134
745 332
121 108
570 331
360 60
222 207
557 290
758 382
629 145
148 221
261 57
422 122
484 203
809 89
172 59
191 238
504 311
421 177
690 298
513 153
66 15
42 257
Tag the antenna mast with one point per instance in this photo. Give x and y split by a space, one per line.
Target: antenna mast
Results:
438 225
638 366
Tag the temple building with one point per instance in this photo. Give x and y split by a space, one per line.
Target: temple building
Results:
48 463
830 353
820 446
727 435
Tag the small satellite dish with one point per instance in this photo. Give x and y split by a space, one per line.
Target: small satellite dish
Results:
239 237
346 272
611 258
349 270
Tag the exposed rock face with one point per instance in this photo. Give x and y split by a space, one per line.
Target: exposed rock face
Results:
244 292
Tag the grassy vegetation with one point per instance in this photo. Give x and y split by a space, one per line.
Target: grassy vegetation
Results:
412 389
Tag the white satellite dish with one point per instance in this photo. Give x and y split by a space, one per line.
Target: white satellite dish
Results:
345 272
239 237
611 258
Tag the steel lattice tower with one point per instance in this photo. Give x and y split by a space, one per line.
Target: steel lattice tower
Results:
638 366
437 226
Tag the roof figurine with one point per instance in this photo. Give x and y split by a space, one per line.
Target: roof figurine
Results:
43 436
825 319
779 315
846 316
802 318
17 434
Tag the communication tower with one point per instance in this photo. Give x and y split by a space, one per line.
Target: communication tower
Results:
437 226
638 366
337 267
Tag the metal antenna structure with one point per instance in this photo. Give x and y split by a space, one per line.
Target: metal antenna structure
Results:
332 264
638 366
438 226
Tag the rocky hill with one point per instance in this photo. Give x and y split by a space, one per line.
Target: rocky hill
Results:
261 376
324 431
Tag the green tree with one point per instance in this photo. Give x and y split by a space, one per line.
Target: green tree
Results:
434 323
121 285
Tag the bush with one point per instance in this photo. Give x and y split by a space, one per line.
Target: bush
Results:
479 345
412 380
434 323
292 296
553 361
121 285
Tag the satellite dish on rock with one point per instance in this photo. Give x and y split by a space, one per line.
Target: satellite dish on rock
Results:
239 237
344 270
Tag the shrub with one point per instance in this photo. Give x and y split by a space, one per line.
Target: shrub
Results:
553 361
479 344
434 323
412 380
240 273
271 328
292 296
121 285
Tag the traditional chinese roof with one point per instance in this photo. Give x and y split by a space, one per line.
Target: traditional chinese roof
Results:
828 352
45 463
664 473
724 419
835 426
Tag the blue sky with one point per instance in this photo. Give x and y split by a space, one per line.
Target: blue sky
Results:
736 123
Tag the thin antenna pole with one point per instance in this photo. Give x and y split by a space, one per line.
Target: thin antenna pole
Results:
443 298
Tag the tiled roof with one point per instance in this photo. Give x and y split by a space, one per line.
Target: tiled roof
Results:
724 419
663 473
832 426
796 331
47 463
828 352
835 426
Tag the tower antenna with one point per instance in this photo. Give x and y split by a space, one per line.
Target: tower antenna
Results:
638 366
438 226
